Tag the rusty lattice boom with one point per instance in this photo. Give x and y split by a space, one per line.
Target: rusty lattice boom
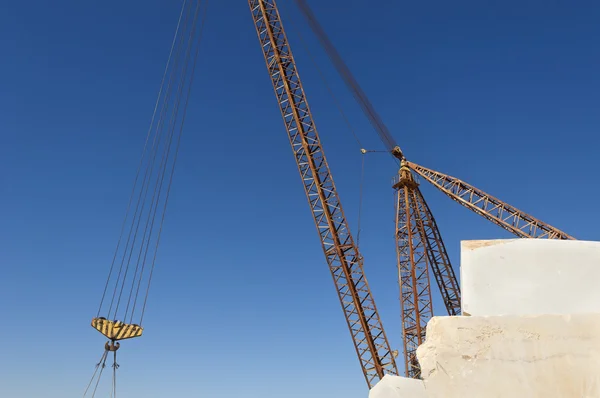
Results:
419 247
500 213
341 253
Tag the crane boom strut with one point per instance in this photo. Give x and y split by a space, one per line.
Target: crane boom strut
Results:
342 254
500 213
438 258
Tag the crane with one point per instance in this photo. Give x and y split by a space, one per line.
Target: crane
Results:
419 245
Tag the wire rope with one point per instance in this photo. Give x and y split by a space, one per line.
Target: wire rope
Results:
141 161
135 255
348 77
174 163
149 170
102 359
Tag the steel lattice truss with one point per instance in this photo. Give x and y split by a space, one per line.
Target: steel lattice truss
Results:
419 248
500 213
340 250
413 270
438 258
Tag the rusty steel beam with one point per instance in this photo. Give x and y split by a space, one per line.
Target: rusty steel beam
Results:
438 258
500 213
413 268
342 255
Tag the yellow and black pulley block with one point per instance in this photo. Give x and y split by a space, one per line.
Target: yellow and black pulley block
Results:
116 330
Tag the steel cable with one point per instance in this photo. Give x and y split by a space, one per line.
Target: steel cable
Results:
100 365
141 161
102 360
158 164
346 74
346 120
149 170
170 181
326 83
149 166
168 151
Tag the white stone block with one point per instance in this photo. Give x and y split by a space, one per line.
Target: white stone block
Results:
398 387
545 356
530 276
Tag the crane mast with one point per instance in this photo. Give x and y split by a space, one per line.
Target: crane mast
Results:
341 252
419 247
413 269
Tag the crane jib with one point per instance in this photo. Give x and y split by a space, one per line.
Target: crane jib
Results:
341 253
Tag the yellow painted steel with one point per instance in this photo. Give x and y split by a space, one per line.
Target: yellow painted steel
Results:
116 330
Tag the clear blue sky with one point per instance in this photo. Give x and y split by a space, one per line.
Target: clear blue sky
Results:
505 96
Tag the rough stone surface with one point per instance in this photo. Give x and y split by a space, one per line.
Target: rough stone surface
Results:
398 387
530 276
546 356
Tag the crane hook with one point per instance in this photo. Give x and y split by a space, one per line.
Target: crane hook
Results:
112 345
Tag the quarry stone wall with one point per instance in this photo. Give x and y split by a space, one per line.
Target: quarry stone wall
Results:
531 327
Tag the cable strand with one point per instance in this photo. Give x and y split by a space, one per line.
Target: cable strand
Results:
360 200
326 83
142 199
167 153
185 108
141 161
348 78
95 371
